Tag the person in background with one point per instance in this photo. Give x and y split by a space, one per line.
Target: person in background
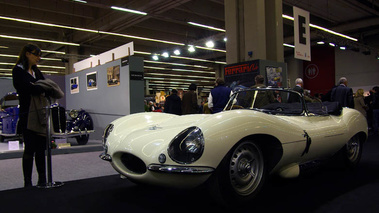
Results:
298 88
375 110
343 94
219 96
259 82
263 98
189 101
25 73
359 102
146 106
173 103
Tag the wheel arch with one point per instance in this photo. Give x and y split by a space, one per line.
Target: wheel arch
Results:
271 147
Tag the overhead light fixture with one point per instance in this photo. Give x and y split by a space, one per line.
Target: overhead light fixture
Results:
155 57
175 64
177 52
320 42
206 26
39 40
332 44
210 44
212 49
52 51
198 59
332 32
342 48
129 10
141 38
165 54
80 1
225 39
191 48
16 56
289 45
322 28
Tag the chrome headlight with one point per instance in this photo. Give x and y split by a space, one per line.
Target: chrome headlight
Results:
73 113
106 133
188 146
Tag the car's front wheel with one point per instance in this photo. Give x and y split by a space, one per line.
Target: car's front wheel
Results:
242 173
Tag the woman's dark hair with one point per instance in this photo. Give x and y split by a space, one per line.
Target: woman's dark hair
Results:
22 59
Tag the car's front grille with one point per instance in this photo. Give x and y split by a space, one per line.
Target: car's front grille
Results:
133 163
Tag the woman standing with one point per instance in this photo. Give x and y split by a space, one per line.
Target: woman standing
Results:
25 73
359 102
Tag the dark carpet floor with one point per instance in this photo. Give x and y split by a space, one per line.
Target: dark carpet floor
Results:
325 188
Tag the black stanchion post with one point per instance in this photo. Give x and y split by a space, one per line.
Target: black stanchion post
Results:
50 183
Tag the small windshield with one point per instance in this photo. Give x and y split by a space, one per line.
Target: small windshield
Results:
10 100
273 101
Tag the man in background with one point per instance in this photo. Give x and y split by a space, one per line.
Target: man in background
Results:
343 94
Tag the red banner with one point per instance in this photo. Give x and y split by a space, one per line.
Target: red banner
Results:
319 74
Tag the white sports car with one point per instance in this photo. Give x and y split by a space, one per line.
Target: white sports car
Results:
260 132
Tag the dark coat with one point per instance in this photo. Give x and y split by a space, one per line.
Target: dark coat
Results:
343 95
173 105
293 98
220 97
24 84
189 103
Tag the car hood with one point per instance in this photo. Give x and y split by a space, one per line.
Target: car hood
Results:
148 134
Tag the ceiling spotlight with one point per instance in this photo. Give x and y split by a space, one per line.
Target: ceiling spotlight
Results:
320 42
177 52
155 57
129 10
342 48
191 48
165 54
332 44
225 39
210 44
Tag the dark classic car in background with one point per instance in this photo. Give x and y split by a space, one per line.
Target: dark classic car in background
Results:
75 123
259 133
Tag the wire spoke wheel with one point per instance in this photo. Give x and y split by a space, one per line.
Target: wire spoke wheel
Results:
353 149
246 168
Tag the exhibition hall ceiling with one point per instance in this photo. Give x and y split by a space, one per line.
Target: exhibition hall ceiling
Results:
92 27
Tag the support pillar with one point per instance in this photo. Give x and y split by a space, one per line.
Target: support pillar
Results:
254 29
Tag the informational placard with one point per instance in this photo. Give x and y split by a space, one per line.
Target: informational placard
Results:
302 34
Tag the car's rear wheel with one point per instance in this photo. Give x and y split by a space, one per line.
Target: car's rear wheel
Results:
242 173
352 152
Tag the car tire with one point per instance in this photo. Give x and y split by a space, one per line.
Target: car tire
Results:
241 174
351 153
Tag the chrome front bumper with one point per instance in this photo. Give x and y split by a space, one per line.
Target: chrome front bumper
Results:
180 169
169 168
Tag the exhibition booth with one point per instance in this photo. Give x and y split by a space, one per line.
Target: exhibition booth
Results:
104 87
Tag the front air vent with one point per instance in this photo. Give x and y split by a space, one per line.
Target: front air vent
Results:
133 163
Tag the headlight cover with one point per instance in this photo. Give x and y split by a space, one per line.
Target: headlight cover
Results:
188 146
73 113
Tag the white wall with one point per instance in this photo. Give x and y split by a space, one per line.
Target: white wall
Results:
361 71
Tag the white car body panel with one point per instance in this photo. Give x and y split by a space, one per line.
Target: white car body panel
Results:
295 140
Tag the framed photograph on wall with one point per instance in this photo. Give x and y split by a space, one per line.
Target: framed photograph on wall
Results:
113 76
74 85
92 81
